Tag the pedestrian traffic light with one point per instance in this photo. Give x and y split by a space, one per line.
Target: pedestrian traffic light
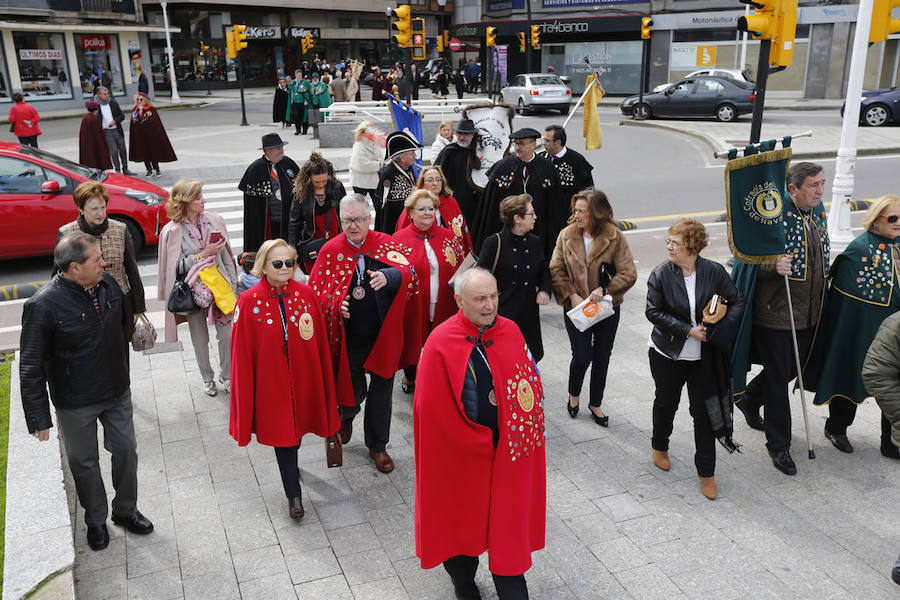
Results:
490 36
229 43
646 24
240 37
883 24
403 26
521 36
774 20
307 42
417 43
535 36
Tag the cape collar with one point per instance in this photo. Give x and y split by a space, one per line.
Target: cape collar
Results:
475 334
274 292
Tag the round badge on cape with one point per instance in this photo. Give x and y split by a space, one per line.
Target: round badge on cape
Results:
359 292
450 256
525 395
398 258
306 326
237 313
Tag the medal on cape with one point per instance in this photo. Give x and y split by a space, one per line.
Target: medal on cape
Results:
492 397
359 292
306 326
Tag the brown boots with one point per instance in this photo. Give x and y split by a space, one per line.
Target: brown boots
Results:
661 459
709 488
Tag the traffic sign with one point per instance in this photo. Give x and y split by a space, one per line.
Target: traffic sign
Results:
455 44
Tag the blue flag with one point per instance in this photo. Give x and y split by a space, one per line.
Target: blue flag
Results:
405 117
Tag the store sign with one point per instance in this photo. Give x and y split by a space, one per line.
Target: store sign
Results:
263 33
95 42
564 27
574 3
500 5
706 56
299 32
45 54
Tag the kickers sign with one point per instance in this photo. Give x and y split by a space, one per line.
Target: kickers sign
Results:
95 42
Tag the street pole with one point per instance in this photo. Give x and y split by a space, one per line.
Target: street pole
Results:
641 113
762 76
744 43
528 47
839 230
175 96
240 58
208 91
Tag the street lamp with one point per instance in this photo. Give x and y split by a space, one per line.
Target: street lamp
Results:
175 97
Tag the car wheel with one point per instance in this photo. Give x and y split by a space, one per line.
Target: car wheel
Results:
520 107
726 113
641 111
876 115
137 237
564 110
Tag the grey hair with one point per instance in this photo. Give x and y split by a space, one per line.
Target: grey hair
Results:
72 248
102 89
358 198
460 283
798 173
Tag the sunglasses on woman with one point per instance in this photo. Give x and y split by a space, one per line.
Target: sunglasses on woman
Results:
284 263
890 219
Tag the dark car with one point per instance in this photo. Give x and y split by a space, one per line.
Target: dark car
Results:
721 97
879 107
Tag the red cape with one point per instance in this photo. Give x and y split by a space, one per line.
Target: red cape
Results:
280 398
449 254
470 497
92 149
396 346
147 139
453 220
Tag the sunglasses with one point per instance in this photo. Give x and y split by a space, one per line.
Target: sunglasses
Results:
284 263
890 219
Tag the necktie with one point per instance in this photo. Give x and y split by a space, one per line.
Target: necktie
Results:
276 186
93 294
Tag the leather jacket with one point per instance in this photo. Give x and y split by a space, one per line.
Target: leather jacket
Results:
668 307
302 226
83 357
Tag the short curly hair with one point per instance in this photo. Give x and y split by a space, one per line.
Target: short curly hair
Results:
512 206
693 234
87 191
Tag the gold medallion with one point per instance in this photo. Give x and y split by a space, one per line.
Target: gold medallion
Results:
450 256
525 395
398 258
306 326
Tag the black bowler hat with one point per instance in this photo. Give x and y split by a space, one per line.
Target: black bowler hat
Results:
465 126
398 143
524 133
271 140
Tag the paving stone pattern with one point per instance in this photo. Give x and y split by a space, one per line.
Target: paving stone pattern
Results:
617 527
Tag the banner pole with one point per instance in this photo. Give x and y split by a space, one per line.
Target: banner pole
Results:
577 104
787 288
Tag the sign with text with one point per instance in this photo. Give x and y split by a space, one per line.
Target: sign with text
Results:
574 3
499 5
42 54
299 32
95 42
706 56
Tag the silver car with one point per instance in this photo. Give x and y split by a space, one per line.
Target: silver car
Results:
535 91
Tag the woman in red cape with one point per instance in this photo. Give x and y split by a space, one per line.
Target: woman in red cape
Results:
147 140
471 495
449 215
282 385
92 149
437 254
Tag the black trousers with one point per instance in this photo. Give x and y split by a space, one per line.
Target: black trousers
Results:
28 140
376 393
289 468
670 377
774 350
591 348
150 165
842 412
462 569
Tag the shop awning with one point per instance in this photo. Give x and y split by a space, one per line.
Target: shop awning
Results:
90 27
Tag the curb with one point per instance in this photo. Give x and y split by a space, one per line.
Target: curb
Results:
16 291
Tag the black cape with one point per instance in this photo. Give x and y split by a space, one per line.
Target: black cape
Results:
506 178
454 161
257 187
279 105
399 187
573 172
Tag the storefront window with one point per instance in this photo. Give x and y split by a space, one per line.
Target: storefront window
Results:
42 65
621 62
4 77
99 63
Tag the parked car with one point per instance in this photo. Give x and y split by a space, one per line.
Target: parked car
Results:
434 65
36 199
879 107
721 97
534 91
740 75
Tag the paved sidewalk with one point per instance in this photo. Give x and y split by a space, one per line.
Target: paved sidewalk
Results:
617 527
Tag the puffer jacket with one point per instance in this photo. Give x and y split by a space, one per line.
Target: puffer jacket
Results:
366 159
83 357
881 372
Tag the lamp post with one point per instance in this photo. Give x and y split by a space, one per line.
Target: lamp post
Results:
443 5
175 97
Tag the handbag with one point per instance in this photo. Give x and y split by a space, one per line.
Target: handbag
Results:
334 451
715 309
144 336
497 255
588 313
310 250
181 301
468 262
222 291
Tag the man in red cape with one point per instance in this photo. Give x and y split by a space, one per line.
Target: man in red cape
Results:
365 284
479 443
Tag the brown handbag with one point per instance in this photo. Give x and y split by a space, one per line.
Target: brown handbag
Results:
334 452
715 309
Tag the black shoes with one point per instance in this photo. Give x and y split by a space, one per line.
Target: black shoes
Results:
890 451
783 462
839 441
573 410
601 421
97 537
751 413
295 508
127 172
135 523
407 386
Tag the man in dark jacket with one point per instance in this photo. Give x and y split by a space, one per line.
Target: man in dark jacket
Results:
111 117
75 339
572 169
267 185
456 160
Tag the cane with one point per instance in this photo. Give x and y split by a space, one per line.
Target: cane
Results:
787 287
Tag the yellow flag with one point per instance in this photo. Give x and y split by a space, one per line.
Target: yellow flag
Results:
591 117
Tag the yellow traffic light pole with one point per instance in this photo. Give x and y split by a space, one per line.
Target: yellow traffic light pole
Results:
239 42
640 113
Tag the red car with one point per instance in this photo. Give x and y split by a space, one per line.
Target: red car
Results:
36 200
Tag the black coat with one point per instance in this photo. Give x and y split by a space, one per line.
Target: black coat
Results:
521 273
83 357
454 161
302 227
573 172
117 114
257 187
279 104
400 186
143 84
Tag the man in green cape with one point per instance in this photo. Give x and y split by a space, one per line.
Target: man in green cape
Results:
298 100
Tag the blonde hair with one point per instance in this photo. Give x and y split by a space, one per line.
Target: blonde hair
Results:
447 123
879 206
362 128
262 255
183 193
413 199
146 98
445 189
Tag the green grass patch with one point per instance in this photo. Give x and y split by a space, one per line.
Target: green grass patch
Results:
5 366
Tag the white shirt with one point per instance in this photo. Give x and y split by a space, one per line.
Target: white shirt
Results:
561 153
588 240
691 348
106 114
433 280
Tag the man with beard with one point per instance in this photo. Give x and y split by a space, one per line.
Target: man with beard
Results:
523 173
267 185
572 169
454 160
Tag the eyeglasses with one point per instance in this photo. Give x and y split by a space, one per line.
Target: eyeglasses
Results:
530 214
283 263
424 209
433 180
356 221
545 141
673 243
523 142
890 218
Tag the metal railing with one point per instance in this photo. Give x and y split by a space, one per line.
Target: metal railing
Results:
378 111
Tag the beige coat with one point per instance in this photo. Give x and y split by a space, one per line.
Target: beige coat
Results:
574 273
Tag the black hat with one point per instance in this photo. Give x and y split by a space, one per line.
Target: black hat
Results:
524 133
271 140
465 126
398 143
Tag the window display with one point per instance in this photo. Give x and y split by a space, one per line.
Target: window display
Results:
99 63
42 65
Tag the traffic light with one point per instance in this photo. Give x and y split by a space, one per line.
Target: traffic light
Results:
774 20
646 24
446 38
521 36
417 43
240 37
535 36
440 43
204 48
883 24
490 36
403 26
229 42
307 42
